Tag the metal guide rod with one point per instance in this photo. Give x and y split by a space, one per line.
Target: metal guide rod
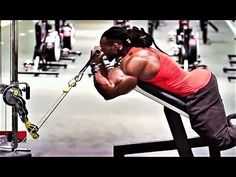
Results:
14 76
1 80
1 62
1 52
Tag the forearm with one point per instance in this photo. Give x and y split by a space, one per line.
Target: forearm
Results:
95 66
115 84
103 85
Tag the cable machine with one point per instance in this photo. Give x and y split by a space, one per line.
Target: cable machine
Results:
12 96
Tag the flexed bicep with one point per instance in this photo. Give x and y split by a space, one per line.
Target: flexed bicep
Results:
116 84
122 82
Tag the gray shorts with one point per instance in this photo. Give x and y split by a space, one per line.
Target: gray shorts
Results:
208 117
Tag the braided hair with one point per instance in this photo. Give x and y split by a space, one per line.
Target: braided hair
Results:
131 37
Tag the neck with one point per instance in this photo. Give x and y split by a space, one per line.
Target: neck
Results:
125 50
118 61
123 54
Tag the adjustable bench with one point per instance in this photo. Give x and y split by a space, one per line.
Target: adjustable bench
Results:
173 108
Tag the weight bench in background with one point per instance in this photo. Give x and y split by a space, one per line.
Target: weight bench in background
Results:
173 108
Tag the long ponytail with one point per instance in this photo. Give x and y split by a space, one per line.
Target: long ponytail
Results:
131 37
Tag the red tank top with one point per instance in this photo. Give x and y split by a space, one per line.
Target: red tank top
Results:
171 77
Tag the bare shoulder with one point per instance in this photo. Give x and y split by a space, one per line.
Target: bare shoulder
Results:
142 64
141 53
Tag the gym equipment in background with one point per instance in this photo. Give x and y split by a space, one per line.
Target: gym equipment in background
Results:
66 33
204 28
152 25
187 46
232 61
47 51
122 23
231 57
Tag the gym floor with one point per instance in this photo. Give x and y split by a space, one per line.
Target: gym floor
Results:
86 125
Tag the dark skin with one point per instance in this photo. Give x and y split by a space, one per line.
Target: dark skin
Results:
139 65
144 64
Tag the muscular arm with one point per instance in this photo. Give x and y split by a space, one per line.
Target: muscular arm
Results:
141 65
115 84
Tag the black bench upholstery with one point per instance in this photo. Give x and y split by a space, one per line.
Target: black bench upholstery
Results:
165 96
174 106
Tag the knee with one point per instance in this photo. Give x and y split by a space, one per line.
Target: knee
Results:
223 140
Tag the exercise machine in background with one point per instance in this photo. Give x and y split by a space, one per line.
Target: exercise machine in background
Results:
66 33
231 69
122 23
186 46
47 51
152 25
204 28
231 57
